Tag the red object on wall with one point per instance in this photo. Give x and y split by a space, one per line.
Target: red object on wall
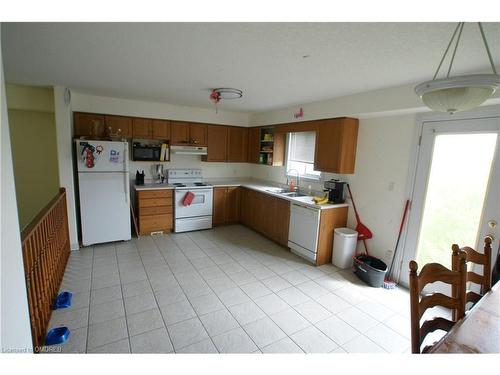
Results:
188 199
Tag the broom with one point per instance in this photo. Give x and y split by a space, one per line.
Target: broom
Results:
363 232
388 282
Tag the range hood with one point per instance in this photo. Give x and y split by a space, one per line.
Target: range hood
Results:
189 150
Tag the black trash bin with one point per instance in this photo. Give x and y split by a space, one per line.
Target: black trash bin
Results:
370 269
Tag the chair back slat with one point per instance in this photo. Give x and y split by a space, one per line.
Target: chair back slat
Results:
437 299
433 272
473 297
475 278
431 325
476 258
430 273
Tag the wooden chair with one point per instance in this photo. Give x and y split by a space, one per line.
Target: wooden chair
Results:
430 273
475 257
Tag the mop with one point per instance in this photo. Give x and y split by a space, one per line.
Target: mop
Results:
388 282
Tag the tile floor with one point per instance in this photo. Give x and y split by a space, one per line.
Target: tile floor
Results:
225 290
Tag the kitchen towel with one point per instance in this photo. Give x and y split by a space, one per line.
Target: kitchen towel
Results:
188 198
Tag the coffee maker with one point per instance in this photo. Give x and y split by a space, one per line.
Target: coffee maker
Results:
336 191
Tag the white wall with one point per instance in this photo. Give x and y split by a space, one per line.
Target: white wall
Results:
138 108
390 101
15 330
64 132
384 152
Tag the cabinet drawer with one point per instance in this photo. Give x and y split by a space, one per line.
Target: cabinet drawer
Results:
155 194
154 202
158 210
155 222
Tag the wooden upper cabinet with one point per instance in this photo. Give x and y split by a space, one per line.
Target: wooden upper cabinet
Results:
88 125
185 133
237 144
118 125
198 134
161 129
279 149
142 128
336 141
216 143
180 133
253 145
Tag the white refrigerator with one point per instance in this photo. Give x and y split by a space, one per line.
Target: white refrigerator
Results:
103 181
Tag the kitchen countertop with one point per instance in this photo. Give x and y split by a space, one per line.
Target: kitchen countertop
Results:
266 187
154 186
304 201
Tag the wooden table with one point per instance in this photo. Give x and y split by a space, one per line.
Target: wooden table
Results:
478 331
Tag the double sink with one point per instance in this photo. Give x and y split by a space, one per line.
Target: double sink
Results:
294 195
286 193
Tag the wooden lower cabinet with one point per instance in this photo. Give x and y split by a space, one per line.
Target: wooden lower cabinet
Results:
226 205
155 211
265 214
328 221
270 216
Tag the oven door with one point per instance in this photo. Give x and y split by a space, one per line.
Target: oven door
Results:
200 206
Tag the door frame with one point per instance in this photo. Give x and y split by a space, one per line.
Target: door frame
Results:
492 111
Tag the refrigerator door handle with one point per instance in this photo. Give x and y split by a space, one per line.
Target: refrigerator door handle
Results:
125 174
125 186
125 157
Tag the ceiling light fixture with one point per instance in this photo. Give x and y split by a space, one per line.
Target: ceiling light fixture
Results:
459 93
216 95
228 93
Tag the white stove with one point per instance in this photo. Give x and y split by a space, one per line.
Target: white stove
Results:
197 214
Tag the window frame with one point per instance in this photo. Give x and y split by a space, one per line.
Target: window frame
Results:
307 177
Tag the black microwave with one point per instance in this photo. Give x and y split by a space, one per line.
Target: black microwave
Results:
141 152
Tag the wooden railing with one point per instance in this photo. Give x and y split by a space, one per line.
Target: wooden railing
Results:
45 243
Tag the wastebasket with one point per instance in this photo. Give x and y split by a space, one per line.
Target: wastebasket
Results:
344 247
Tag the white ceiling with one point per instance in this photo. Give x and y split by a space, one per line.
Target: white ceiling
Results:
179 63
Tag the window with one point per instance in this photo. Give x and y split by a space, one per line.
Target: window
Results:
300 154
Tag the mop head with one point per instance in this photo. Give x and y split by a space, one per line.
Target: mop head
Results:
389 284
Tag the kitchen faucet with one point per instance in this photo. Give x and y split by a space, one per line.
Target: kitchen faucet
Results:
296 180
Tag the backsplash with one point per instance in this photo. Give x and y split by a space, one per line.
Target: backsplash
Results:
278 174
210 170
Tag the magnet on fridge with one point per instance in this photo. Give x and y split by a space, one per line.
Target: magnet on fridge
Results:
114 156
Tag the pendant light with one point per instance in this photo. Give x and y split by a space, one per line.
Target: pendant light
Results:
459 93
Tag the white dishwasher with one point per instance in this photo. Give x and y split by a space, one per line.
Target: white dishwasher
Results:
303 231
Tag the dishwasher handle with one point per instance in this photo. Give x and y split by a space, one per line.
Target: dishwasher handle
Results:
298 209
296 206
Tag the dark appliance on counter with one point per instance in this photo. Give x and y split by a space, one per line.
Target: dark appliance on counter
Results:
336 191
145 152
139 178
